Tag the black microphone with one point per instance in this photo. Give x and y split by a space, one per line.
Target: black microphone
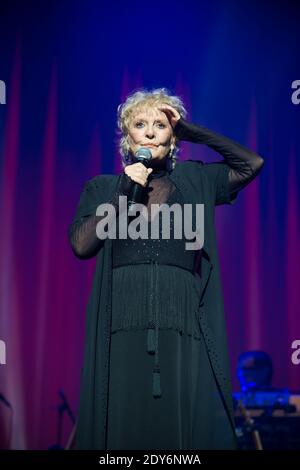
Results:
144 156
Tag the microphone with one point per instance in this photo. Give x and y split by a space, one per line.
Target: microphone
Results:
144 156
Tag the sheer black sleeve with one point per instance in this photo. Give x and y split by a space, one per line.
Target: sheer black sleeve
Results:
244 164
82 232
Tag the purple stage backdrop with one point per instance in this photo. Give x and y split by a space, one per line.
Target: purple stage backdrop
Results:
64 68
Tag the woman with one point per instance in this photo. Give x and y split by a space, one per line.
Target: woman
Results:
156 372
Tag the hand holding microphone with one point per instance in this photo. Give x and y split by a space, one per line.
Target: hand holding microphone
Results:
139 173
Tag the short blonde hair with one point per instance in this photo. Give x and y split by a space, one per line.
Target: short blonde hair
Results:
139 100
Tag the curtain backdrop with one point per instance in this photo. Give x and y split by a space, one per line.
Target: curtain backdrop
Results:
66 66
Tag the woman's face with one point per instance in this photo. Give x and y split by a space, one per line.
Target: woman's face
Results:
151 128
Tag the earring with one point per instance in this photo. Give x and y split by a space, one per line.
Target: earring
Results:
171 159
171 151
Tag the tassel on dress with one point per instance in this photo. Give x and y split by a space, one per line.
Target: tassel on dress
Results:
151 341
156 389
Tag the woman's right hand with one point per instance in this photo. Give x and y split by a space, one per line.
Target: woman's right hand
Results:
138 173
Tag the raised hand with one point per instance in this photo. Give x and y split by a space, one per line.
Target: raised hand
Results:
171 113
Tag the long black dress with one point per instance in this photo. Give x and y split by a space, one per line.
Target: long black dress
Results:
162 392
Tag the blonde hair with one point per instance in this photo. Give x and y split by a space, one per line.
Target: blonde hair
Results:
137 101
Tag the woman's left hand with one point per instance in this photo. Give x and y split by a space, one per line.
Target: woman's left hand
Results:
171 113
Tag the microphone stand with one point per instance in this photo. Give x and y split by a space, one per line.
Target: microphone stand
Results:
9 406
61 408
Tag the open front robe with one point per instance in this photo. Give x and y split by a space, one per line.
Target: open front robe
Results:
199 183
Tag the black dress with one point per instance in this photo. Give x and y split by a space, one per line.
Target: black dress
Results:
162 386
162 391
